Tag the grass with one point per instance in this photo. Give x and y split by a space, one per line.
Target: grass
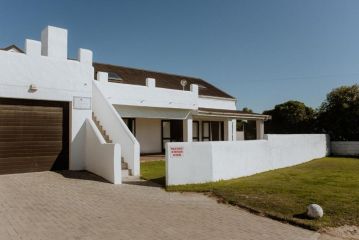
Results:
284 194
154 171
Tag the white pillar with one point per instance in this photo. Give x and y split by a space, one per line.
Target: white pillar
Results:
187 130
260 129
234 130
228 130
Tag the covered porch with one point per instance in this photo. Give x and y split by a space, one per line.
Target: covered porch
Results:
154 127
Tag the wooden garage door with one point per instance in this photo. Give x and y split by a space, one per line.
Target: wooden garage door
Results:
33 136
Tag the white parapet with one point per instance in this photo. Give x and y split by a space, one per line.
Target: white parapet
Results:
151 82
54 42
102 76
84 56
194 89
32 47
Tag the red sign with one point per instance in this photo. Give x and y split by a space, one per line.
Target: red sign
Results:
176 151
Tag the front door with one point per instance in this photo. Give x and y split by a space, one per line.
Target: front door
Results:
172 131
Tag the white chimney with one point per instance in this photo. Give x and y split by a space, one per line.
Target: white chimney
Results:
54 42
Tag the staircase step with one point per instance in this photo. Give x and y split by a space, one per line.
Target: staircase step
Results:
101 129
124 165
125 173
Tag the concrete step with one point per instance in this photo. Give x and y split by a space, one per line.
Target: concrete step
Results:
101 129
124 165
125 173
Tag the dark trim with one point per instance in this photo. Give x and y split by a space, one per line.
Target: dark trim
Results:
175 126
195 138
131 124
163 138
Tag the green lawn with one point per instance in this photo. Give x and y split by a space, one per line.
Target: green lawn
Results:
284 194
154 171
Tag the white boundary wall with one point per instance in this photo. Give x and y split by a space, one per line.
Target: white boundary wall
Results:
345 148
201 162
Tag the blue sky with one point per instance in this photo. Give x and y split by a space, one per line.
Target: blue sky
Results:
262 52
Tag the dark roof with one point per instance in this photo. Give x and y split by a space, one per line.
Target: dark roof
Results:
234 113
163 80
12 46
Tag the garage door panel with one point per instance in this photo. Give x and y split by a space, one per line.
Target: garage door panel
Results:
33 136
29 144
30 152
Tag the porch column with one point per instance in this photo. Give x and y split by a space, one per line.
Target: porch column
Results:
187 130
260 129
234 129
230 130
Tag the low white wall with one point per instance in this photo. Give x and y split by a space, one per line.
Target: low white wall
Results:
103 159
240 135
200 162
345 148
117 129
148 134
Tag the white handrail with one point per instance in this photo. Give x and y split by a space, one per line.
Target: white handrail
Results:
116 129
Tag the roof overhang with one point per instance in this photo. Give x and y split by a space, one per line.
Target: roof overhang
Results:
223 113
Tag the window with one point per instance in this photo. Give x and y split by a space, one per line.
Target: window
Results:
131 124
114 76
212 131
201 86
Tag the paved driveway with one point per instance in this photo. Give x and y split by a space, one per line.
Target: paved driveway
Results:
78 205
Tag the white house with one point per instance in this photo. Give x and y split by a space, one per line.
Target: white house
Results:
57 113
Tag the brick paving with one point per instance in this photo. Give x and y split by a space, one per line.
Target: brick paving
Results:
79 205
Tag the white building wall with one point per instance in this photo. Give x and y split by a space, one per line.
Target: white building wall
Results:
345 148
57 79
148 134
217 103
212 161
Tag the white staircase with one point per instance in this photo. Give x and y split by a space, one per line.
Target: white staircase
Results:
124 166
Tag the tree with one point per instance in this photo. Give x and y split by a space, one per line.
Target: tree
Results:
290 117
339 114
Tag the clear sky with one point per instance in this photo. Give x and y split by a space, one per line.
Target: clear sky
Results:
262 52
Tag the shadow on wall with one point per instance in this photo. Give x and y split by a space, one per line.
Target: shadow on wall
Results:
78 143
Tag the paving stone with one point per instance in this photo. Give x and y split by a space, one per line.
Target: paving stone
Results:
80 205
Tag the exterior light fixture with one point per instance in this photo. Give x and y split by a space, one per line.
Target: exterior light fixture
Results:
33 88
